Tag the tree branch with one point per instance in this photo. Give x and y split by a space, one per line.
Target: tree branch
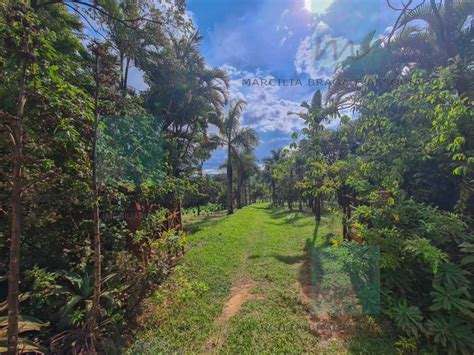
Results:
100 10
395 26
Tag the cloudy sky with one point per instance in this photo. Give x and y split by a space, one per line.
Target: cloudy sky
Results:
276 39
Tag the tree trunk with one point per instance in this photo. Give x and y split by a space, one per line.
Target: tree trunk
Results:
344 223
239 194
92 321
122 76
125 80
200 175
450 28
15 202
249 198
230 207
273 193
246 194
317 209
290 197
346 216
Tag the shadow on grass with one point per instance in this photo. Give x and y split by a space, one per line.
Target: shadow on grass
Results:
196 223
345 280
283 216
364 274
267 206
332 315
308 278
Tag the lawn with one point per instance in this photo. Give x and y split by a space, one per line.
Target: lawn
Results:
247 284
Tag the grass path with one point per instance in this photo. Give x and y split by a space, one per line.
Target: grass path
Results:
244 286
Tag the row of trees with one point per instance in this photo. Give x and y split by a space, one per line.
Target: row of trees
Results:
91 168
402 173
209 193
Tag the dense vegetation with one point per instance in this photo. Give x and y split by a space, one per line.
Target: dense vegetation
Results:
402 173
93 171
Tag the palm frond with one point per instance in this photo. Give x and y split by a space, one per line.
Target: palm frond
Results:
233 115
423 12
246 138
316 101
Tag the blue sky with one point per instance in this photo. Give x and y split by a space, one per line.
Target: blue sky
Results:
274 39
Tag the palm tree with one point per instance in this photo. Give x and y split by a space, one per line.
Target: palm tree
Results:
183 89
270 164
315 114
246 165
234 137
446 27
427 36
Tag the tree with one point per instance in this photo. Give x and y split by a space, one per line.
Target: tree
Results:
270 164
183 90
26 41
246 166
104 79
233 137
426 36
43 61
315 115
284 175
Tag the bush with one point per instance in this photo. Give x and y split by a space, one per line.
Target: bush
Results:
426 289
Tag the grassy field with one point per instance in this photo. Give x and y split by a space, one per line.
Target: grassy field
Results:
246 285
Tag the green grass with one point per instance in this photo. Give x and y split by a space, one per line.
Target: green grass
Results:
269 249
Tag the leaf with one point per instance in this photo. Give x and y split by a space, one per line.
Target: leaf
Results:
432 255
22 297
25 324
451 299
460 170
408 318
24 346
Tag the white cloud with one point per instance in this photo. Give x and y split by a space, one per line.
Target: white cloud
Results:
304 63
319 54
284 13
322 27
279 139
320 6
213 171
266 109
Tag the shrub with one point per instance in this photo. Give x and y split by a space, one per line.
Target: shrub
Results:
426 289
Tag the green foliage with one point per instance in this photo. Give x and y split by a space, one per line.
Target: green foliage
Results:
406 344
408 318
401 172
468 248
57 166
26 324
418 247
452 333
130 150
451 300
431 255
205 209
